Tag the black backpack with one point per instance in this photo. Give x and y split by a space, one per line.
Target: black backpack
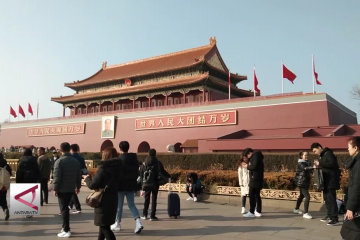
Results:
148 180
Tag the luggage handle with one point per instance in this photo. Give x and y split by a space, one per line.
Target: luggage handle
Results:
169 185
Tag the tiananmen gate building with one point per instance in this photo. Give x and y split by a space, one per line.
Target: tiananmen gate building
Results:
181 99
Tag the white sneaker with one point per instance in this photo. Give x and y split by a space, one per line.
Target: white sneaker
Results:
307 216
249 215
189 199
138 226
64 234
116 227
258 214
297 211
195 199
243 210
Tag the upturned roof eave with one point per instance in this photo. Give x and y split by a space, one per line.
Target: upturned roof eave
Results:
70 98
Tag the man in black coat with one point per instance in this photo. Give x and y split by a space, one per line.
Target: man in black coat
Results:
128 186
331 174
256 168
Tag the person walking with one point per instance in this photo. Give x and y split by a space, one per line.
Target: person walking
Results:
28 170
302 180
244 180
108 177
256 168
45 171
3 192
74 150
127 187
67 177
331 174
152 162
351 227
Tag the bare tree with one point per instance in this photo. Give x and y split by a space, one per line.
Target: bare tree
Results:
355 92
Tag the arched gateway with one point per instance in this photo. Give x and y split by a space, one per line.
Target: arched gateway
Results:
106 144
143 147
177 147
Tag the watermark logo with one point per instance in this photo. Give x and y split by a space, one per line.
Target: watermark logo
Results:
25 199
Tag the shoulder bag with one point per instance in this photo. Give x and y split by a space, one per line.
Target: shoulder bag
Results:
94 199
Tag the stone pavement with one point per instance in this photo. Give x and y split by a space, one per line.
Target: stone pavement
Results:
198 221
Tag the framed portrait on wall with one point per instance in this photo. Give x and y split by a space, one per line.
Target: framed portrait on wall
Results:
108 127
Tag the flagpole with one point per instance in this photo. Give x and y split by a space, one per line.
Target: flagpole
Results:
254 82
229 85
37 111
282 77
313 73
9 113
18 112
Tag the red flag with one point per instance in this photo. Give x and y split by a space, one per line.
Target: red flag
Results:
316 75
256 89
12 112
288 74
30 109
21 111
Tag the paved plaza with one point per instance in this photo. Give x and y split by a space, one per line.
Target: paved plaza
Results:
198 221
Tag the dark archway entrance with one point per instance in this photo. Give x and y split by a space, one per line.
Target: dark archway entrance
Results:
177 147
143 147
106 144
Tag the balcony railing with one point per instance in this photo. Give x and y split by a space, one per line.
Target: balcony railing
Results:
245 99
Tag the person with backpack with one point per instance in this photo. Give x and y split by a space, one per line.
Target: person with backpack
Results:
153 175
5 174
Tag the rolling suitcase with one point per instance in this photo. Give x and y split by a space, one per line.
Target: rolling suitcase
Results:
173 204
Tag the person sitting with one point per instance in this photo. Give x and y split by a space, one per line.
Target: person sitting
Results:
193 186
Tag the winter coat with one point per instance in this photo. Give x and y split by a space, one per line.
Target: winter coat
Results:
244 180
45 166
130 172
109 173
67 174
330 168
195 181
303 174
256 168
156 164
28 170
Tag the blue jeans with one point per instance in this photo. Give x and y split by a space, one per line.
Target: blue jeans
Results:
130 198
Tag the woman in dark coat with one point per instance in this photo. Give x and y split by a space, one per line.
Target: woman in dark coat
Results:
28 168
108 174
302 180
351 227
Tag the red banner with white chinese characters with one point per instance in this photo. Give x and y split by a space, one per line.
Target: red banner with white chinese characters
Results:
206 119
68 129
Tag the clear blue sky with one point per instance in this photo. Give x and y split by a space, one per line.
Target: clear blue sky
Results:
44 44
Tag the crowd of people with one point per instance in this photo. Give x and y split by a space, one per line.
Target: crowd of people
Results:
121 175
251 177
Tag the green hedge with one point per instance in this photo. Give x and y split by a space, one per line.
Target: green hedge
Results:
274 162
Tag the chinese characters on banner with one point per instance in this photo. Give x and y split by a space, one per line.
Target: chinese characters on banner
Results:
191 120
68 129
